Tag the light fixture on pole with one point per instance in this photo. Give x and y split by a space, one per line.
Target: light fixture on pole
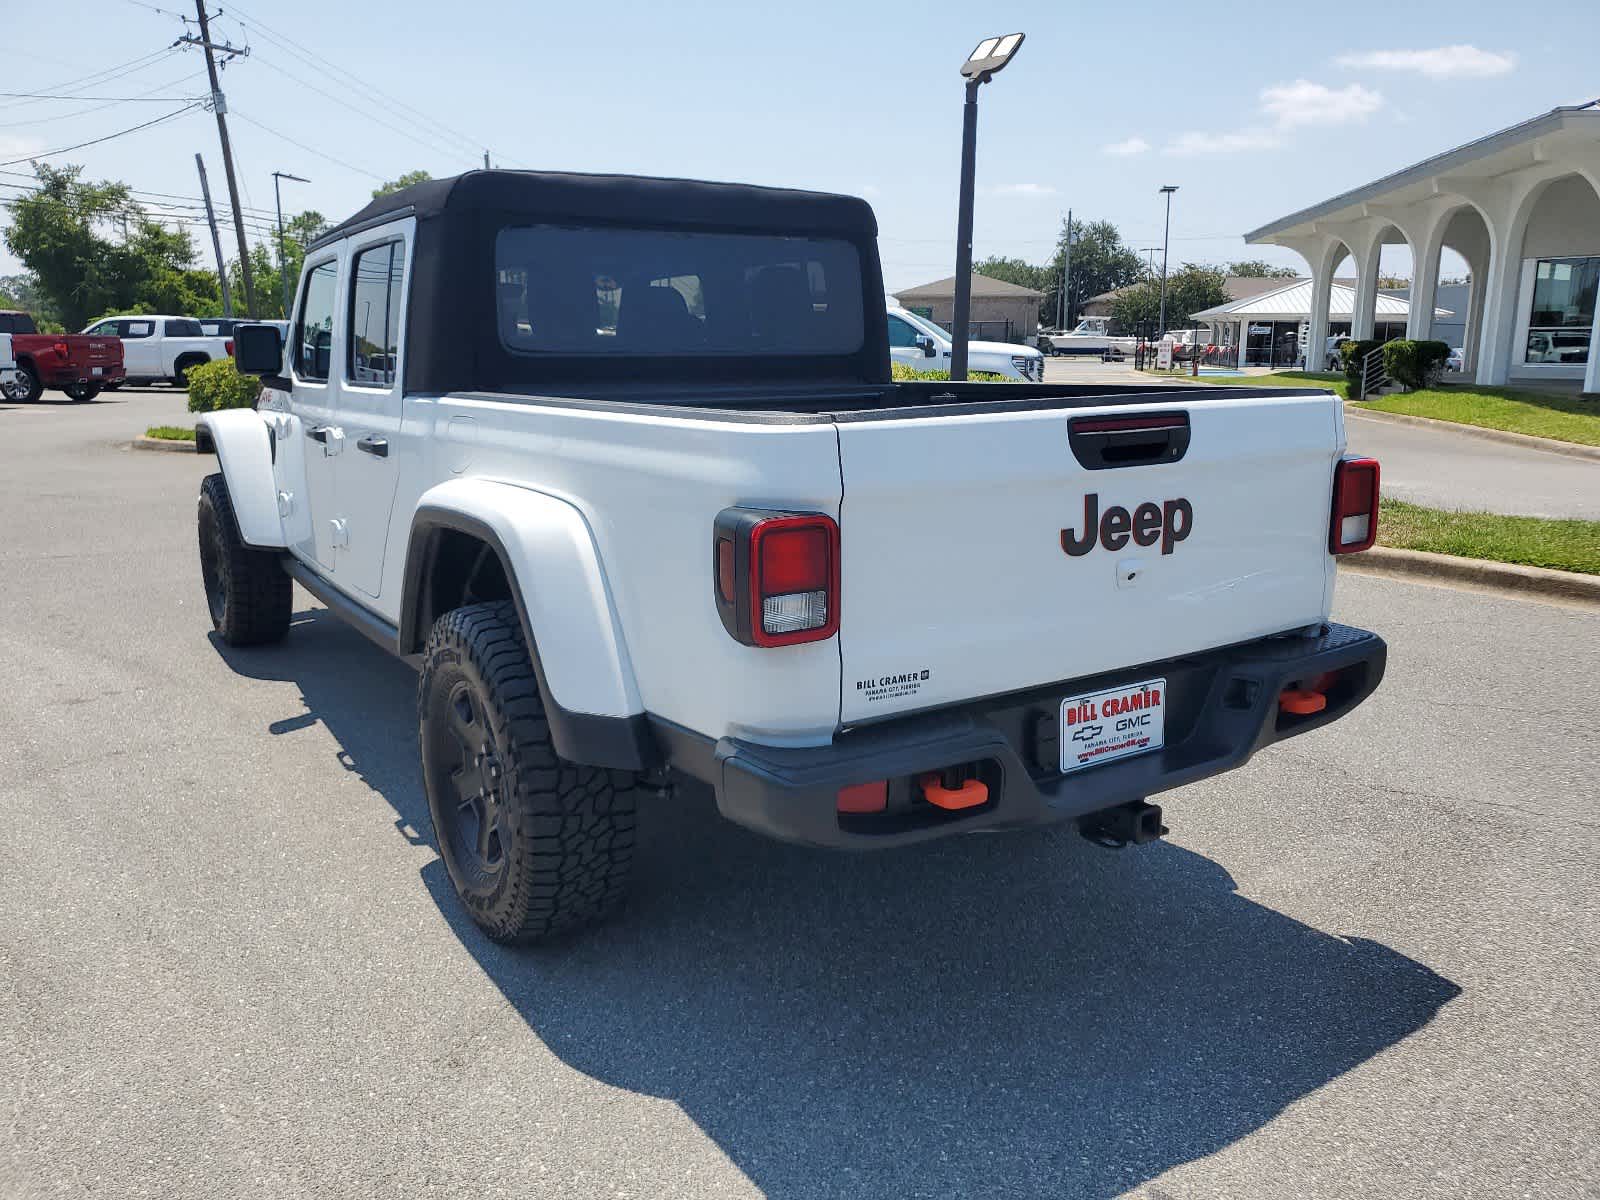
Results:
990 56
1166 235
283 263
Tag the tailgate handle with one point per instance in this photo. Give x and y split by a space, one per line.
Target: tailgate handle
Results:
1106 443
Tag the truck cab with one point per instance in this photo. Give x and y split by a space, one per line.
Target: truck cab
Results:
619 465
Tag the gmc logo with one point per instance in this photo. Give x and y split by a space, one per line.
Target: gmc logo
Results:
1168 523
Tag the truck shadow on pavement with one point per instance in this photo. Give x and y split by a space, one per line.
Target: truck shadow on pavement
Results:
1019 1015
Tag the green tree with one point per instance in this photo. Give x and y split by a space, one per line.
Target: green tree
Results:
406 180
1100 263
91 250
1255 268
1190 289
22 292
299 231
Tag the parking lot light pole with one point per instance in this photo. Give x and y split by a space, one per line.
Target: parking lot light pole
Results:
989 57
283 263
1166 235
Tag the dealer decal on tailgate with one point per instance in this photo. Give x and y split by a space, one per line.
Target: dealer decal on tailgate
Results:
1104 726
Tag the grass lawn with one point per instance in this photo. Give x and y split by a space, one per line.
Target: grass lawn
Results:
1530 541
171 433
1542 414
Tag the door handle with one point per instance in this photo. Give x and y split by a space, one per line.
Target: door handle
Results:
318 434
374 445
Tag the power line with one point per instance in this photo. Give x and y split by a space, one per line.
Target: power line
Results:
342 71
426 142
111 101
349 166
177 112
131 67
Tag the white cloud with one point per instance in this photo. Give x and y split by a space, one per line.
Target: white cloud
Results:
1305 103
1193 143
1127 147
1021 189
1441 62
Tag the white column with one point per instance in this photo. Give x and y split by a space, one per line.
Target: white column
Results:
1424 290
1470 348
1364 319
1321 301
1591 374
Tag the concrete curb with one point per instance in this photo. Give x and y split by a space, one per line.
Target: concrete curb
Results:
1501 577
149 443
1526 441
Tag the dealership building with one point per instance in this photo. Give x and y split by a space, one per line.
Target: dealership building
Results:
1521 206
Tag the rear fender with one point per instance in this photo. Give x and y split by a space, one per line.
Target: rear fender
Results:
244 448
553 567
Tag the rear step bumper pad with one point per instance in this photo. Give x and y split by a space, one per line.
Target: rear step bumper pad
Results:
1222 708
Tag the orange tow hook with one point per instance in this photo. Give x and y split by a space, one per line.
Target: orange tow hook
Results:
970 794
1301 702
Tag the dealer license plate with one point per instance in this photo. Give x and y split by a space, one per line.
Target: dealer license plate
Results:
97 370
1101 727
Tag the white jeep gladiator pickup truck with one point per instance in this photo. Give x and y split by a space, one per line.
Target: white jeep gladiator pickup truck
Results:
617 463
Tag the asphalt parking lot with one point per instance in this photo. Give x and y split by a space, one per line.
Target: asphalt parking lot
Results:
231 964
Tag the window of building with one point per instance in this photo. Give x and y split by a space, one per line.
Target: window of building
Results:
1562 316
377 273
313 341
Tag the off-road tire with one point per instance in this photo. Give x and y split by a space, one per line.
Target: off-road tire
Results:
535 846
27 388
249 594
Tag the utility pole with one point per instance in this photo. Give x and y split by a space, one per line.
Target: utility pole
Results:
219 105
216 239
486 160
1063 307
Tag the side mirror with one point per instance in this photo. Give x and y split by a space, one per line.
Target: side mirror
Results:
258 350
926 343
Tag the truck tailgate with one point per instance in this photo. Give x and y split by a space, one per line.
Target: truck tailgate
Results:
87 352
956 576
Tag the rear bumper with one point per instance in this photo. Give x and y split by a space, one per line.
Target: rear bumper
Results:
1222 708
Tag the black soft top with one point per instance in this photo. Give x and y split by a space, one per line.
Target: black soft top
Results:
625 199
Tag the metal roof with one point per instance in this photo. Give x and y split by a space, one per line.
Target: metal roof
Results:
1293 303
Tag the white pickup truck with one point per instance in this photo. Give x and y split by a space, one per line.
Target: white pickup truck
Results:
619 465
917 342
158 348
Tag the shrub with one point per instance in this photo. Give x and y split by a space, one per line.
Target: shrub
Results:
217 385
1353 354
899 371
1414 364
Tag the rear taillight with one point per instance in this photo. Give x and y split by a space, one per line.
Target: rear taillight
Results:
228 346
1355 506
776 575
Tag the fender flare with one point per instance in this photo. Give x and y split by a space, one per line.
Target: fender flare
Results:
243 443
557 581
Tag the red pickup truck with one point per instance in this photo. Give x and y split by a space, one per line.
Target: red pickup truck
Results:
76 363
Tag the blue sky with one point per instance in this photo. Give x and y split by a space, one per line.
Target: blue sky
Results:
1252 109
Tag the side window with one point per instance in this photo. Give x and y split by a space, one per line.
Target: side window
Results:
103 329
313 334
136 329
182 328
376 282
7 323
900 333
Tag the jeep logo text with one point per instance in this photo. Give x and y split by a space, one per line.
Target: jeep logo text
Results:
1168 523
